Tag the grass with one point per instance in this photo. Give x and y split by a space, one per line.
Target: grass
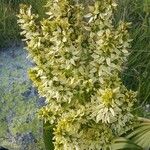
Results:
137 73
9 30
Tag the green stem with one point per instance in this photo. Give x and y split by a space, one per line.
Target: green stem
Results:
48 136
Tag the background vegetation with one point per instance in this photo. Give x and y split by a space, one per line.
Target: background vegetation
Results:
9 30
137 72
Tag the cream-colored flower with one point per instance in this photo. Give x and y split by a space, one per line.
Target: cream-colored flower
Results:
78 56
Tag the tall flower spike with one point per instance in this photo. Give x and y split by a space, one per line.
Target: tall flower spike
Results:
79 55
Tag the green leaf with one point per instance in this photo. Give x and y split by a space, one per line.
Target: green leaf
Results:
141 135
123 143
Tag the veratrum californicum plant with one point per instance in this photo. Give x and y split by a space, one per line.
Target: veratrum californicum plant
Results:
79 55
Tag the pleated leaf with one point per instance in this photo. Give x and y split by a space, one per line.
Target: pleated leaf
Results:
123 143
141 135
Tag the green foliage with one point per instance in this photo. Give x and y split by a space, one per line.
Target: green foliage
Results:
137 74
79 55
124 143
137 138
141 135
9 30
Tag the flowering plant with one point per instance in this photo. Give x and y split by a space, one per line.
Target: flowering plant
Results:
79 55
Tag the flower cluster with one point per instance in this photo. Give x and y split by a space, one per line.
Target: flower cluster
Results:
79 55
